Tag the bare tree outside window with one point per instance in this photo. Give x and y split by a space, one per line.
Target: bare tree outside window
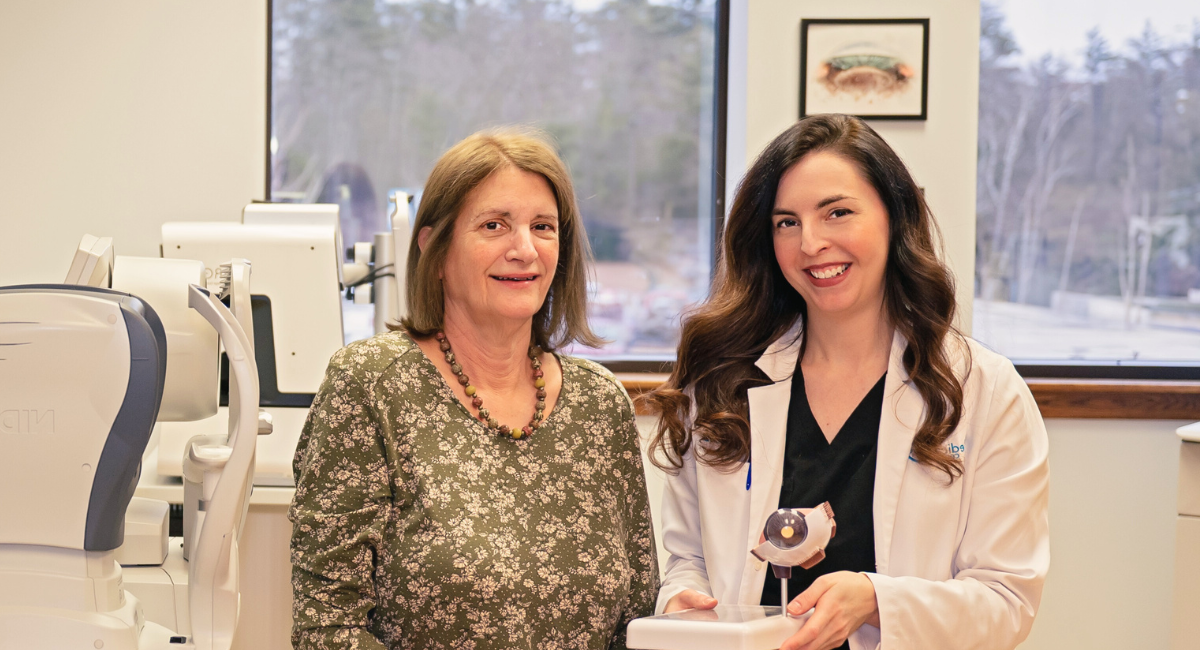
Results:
367 94
1088 237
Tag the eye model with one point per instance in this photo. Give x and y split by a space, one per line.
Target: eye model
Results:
785 529
795 539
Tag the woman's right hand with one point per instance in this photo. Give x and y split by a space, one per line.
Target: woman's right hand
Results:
689 599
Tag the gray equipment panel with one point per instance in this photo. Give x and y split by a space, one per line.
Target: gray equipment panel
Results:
119 466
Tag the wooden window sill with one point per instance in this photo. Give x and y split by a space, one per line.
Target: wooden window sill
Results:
1117 398
1059 398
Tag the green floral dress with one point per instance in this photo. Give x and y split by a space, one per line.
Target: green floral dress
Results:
415 528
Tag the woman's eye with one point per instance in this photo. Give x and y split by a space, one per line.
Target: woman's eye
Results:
545 227
840 212
492 225
785 223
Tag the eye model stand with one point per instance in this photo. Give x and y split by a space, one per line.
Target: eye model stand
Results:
790 538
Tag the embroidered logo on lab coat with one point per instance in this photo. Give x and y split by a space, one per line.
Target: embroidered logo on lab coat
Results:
958 451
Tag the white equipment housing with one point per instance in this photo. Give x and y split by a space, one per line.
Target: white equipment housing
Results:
82 377
391 248
378 268
1185 625
295 250
297 266
92 265
190 392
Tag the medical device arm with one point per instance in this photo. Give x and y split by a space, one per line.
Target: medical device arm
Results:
213 571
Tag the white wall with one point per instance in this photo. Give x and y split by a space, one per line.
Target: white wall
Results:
941 151
1112 535
118 116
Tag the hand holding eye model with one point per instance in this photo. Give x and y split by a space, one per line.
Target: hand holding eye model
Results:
791 538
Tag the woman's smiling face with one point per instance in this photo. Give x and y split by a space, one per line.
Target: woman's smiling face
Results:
504 250
831 235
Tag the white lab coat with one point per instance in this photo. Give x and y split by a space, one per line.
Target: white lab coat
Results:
959 566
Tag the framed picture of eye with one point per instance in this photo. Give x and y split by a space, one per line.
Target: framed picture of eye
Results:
873 68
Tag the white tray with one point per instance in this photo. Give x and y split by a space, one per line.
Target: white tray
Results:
732 627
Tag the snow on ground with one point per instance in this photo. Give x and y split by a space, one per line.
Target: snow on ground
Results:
1027 332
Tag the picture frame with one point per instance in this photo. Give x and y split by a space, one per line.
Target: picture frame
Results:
876 69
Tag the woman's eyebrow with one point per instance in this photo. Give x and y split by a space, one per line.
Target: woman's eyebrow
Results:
493 211
500 212
831 199
822 203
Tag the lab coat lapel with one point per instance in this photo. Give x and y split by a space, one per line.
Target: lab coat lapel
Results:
768 435
768 406
902 411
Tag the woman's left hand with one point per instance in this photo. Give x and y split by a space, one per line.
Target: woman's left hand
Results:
844 601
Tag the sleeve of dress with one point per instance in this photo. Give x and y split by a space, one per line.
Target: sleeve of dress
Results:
338 514
640 548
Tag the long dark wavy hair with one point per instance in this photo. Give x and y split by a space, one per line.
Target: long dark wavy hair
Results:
752 304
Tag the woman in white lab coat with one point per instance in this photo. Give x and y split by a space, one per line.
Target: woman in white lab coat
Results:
825 366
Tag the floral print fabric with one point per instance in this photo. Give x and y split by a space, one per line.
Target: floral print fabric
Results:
415 528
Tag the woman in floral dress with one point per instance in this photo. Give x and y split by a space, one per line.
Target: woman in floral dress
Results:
458 483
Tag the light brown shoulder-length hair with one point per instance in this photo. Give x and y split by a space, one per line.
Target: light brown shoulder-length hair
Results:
562 320
752 304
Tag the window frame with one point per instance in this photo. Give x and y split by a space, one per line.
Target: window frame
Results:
1128 371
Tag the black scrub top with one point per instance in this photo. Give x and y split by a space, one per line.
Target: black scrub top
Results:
841 472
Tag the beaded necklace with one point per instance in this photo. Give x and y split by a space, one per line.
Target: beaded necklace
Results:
539 382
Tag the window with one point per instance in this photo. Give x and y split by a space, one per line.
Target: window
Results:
1088 239
367 95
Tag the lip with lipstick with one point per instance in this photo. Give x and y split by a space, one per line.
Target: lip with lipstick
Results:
827 275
